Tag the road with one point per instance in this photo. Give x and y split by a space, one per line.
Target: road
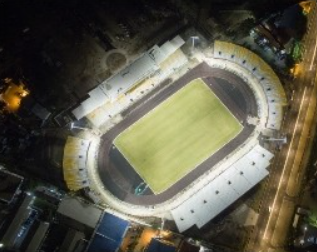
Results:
282 190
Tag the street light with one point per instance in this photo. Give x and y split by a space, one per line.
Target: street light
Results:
162 223
73 126
193 40
162 227
93 131
305 230
279 140
283 140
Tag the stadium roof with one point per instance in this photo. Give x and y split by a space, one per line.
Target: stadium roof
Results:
109 234
96 98
159 54
80 211
130 75
225 189
141 68
272 88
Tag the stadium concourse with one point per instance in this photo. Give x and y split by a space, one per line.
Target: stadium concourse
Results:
241 80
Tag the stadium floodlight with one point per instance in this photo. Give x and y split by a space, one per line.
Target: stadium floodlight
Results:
96 132
161 230
283 140
193 40
73 126
162 223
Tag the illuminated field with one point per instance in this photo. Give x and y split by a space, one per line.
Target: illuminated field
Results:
178 135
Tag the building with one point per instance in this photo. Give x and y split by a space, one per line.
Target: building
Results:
20 225
10 185
280 31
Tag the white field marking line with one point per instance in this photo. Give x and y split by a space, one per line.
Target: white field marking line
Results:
286 161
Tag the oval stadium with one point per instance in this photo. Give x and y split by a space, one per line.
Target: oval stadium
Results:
179 133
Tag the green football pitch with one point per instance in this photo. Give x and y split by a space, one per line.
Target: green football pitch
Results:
176 136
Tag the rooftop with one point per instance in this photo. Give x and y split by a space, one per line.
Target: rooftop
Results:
9 186
80 211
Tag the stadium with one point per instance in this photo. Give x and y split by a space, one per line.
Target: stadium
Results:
181 137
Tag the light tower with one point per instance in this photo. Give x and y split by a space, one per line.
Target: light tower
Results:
193 41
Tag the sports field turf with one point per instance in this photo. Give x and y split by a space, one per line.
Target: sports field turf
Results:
177 135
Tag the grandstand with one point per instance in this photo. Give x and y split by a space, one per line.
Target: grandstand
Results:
74 163
257 67
145 66
108 110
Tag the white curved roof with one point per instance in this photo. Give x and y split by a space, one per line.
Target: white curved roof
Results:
225 189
